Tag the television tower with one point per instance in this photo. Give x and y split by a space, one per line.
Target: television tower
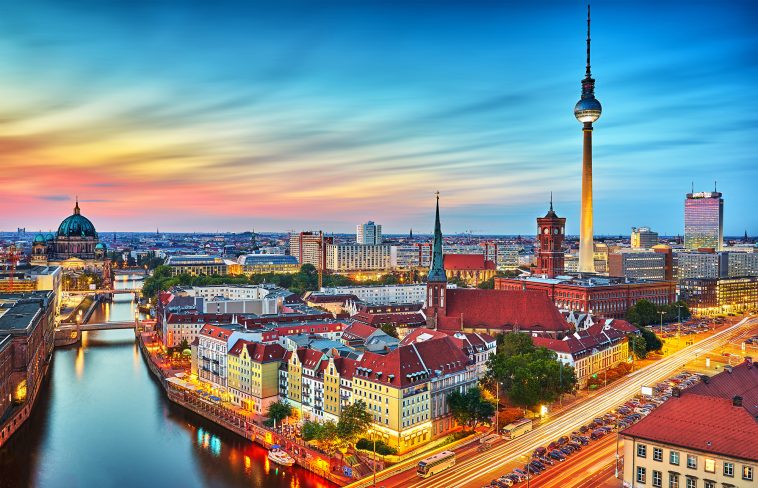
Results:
587 111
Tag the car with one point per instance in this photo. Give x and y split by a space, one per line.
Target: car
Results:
597 434
563 440
520 473
583 429
505 481
566 450
580 439
552 445
558 456
545 460
540 451
513 478
538 464
575 445
536 468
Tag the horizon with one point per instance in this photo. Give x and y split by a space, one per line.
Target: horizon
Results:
326 116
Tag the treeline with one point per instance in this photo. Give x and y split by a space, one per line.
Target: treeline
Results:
304 280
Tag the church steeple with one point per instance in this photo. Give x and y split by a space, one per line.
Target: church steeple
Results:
76 207
437 268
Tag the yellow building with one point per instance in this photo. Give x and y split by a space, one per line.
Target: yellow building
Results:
338 386
253 374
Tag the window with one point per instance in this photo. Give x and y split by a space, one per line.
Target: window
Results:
709 484
729 469
747 472
641 450
674 457
640 474
657 479
673 480
710 465
657 454
691 461
691 483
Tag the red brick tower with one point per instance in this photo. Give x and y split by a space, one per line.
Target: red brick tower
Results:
550 230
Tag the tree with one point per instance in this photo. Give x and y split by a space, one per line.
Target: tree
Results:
487 284
512 344
652 342
642 313
279 411
458 281
470 408
310 430
390 329
184 345
638 346
354 421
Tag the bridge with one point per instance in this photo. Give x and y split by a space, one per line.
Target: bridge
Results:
107 326
101 292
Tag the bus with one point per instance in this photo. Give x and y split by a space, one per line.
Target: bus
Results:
434 464
486 442
517 428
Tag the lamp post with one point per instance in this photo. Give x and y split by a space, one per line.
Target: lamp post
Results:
662 314
617 448
497 407
528 470
373 435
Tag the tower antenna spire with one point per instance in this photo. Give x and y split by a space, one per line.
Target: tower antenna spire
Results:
589 74
714 187
551 200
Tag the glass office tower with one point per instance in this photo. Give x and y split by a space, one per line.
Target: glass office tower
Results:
704 220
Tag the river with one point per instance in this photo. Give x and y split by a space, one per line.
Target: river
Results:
101 420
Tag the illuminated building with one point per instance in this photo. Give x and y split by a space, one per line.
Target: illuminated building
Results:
587 111
715 296
550 233
251 264
27 338
358 257
368 233
75 246
471 268
704 221
253 379
310 247
197 264
604 296
338 386
702 437
487 311
643 238
640 264
382 294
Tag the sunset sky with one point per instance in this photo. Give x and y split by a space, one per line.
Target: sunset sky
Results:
227 116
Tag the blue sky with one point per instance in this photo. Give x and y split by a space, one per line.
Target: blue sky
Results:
193 116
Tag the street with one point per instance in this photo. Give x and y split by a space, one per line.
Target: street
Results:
476 469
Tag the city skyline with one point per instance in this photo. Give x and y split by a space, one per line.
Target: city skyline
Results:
334 116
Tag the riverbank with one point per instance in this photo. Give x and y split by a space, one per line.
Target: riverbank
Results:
186 394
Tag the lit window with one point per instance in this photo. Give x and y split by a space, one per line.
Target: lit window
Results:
710 465
747 472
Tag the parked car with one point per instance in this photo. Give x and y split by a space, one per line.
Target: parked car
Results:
558 456
540 451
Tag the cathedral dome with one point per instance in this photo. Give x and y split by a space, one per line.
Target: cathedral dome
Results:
77 225
39 238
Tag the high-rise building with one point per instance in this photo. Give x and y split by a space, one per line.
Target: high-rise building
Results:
639 264
551 231
643 238
704 220
358 257
368 233
310 248
587 111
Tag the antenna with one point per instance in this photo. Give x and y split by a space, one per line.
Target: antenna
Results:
551 200
588 41
693 187
714 187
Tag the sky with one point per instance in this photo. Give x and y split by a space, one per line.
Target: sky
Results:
275 116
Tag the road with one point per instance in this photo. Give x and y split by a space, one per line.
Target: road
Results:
477 469
589 467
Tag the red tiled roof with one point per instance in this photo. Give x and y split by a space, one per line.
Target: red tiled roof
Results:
502 309
742 381
400 318
263 353
423 334
237 347
466 262
412 364
216 332
310 358
358 330
345 367
330 298
552 344
705 423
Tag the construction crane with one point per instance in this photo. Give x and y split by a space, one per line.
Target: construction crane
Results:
10 258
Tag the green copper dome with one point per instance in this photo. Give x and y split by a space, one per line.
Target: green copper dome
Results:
77 225
39 238
100 245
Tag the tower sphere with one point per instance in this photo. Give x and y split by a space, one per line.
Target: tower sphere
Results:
587 110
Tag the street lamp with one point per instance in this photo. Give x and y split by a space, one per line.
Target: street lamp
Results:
528 470
617 448
662 313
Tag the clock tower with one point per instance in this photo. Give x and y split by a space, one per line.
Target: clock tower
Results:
551 231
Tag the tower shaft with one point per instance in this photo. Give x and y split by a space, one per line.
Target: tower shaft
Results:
586 238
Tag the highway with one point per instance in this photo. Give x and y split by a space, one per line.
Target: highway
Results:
476 470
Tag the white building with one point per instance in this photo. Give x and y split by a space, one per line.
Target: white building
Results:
368 233
358 257
382 294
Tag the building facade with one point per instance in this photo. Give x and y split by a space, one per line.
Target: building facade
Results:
368 233
253 378
251 264
358 257
704 221
550 233
196 265
643 238
310 248
472 269
640 264
716 296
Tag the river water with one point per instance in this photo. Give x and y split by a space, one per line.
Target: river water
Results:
101 420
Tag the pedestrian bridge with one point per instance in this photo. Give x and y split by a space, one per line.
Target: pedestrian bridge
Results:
107 325
103 291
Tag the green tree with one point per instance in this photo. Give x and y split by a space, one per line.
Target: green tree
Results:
642 313
458 281
512 344
390 329
652 342
279 411
638 346
310 430
354 421
184 345
487 284
470 408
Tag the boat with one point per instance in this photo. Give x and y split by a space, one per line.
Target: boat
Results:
280 457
